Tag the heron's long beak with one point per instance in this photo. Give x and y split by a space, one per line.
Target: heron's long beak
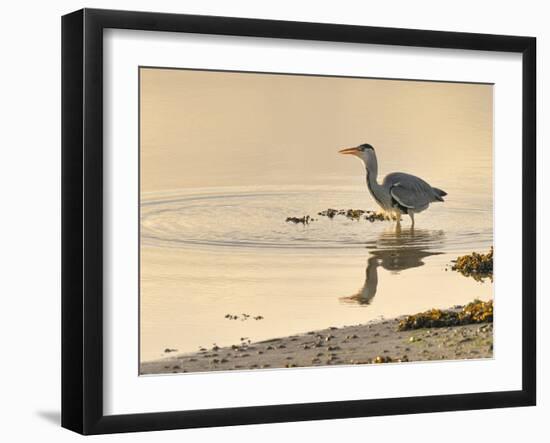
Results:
352 151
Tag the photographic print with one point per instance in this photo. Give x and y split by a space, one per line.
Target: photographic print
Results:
296 221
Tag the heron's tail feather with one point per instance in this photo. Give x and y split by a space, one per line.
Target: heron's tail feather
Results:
440 193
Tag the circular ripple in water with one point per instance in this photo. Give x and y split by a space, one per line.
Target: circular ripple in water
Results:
245 218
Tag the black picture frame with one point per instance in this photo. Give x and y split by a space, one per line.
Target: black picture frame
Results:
82 220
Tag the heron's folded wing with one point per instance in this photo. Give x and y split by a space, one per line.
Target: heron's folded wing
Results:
411 195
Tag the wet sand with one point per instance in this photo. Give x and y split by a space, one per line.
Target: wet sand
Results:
374 342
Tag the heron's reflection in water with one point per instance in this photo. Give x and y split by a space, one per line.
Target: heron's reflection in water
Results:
395 251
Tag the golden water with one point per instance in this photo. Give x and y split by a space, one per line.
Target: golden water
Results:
226 157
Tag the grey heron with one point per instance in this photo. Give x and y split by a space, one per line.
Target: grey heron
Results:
399 193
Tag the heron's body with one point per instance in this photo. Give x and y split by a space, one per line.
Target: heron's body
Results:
399 193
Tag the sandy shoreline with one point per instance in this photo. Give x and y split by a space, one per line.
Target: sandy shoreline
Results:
374 342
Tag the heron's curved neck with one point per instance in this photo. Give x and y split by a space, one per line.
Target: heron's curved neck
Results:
371 166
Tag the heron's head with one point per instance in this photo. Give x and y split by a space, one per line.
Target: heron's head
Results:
365 152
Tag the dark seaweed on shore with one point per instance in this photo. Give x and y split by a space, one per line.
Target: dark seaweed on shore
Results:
474 312
476 265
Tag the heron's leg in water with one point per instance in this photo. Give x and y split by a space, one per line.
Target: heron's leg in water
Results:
411 215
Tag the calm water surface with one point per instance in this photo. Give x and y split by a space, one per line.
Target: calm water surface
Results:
208 252
227 157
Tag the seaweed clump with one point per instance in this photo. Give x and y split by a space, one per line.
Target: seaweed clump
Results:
243 317
305 220
355 214
476 265
474 312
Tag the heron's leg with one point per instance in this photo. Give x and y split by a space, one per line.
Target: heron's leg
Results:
411 215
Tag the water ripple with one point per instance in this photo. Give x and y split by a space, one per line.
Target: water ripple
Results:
244 218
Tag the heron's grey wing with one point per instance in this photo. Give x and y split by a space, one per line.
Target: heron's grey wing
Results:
409 191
